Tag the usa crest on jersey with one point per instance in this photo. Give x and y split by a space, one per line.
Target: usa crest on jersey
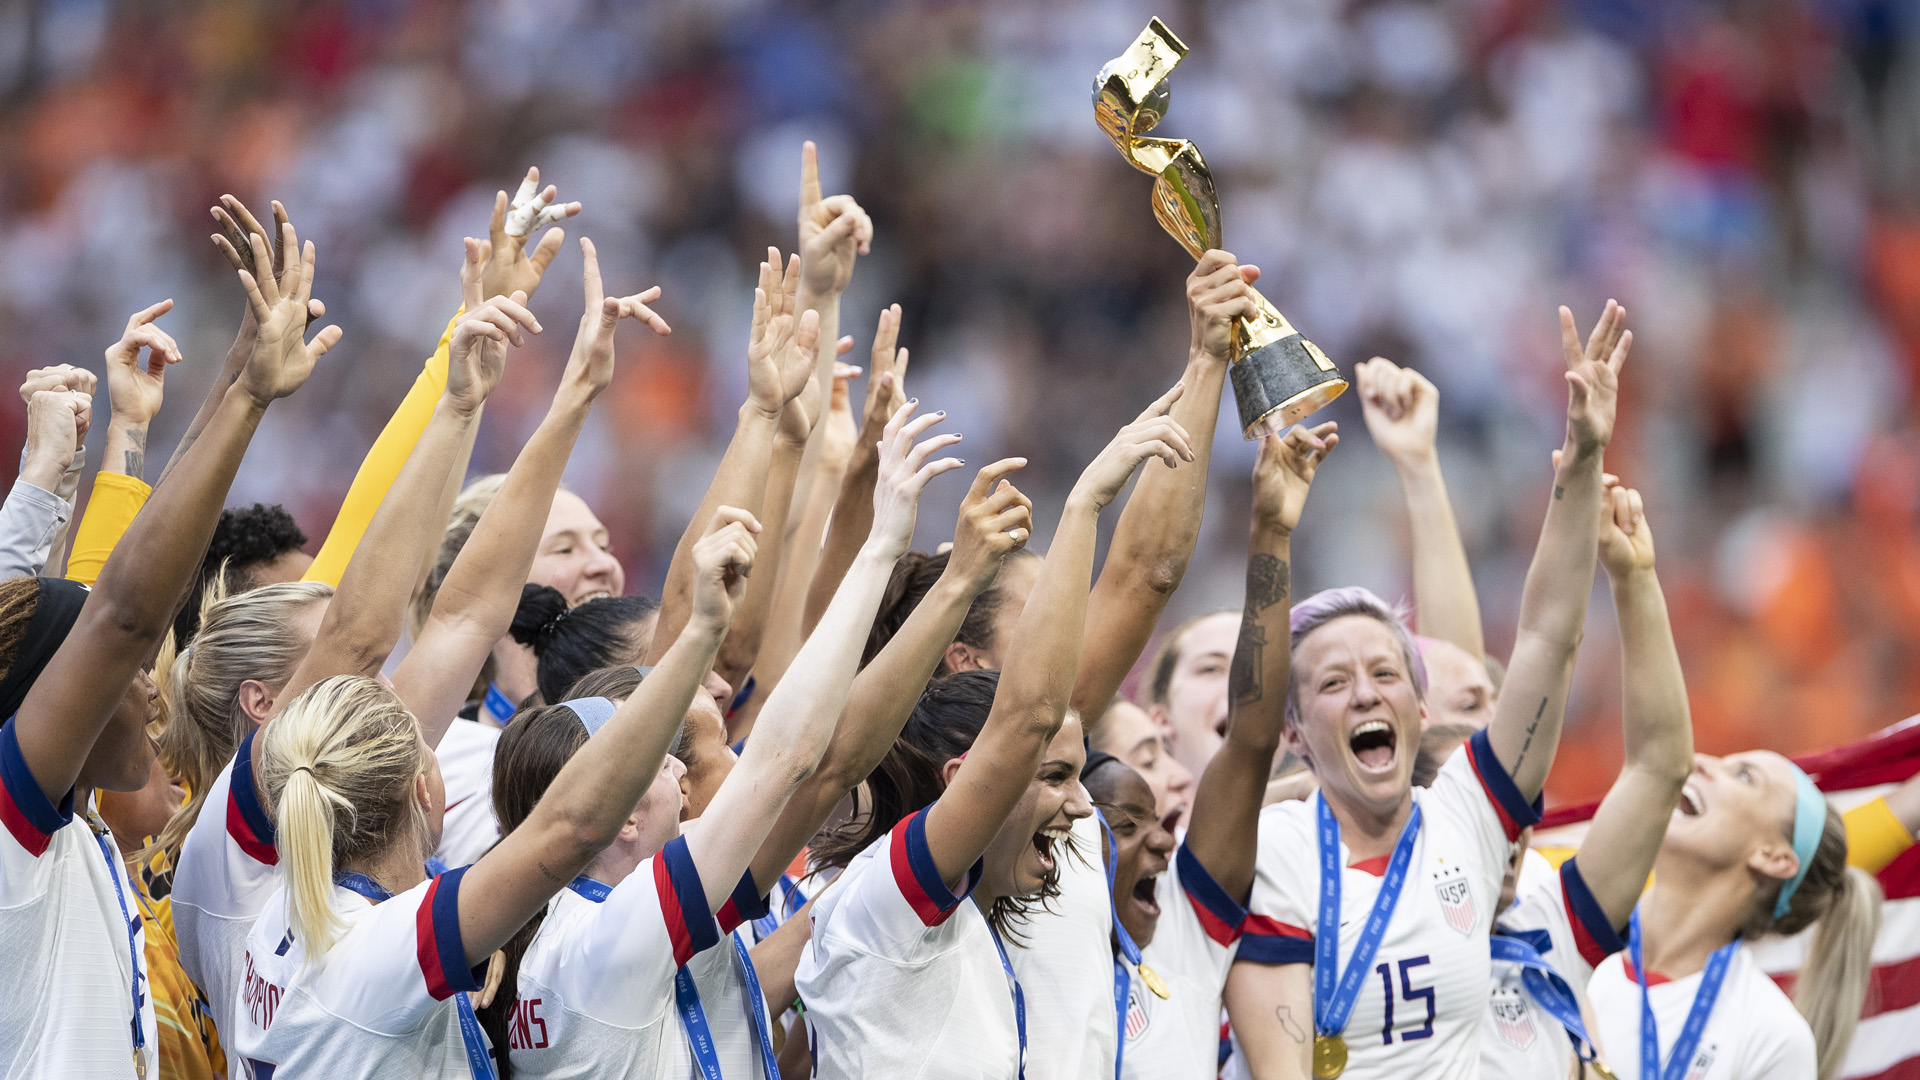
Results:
1450 884
1512 1017
1136 1013
1702 1061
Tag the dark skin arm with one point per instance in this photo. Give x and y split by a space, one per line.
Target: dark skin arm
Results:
1226 804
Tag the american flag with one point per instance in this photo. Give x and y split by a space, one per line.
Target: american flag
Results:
1512 1018
1887 1044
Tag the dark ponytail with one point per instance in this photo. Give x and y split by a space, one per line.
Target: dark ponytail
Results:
572 642
531 752
913 578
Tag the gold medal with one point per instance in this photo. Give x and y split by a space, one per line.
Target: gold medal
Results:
139 1064
1601 1071
1153 981
1329 1056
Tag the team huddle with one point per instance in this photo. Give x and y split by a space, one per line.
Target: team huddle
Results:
830 807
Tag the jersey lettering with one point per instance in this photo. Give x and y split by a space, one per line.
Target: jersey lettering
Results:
527 1030
260 997
1408 993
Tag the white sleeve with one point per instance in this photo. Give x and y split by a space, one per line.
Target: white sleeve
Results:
1475 790
620 969
898 897
400 960
1565 910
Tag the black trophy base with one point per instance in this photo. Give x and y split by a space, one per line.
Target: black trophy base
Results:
1279 384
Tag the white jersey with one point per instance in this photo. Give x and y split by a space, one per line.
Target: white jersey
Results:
596 986
903 979
227 869
1560 919
1192 948
379 1003
469 828
1753 1033
72 994
1424 1001
1064 957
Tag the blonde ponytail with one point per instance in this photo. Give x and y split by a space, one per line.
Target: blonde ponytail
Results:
251 635
339 765
1831 989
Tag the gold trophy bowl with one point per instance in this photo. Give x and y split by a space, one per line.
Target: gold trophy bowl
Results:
1279 377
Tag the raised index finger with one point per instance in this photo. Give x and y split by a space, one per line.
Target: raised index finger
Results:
991 474
1163 402
809 174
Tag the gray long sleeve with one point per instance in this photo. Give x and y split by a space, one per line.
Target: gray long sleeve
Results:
31 521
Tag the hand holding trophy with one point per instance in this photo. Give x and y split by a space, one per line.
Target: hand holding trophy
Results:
1279 377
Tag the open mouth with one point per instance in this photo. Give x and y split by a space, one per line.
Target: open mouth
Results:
1143 897
1044 842
1692 803
1374 744
597 594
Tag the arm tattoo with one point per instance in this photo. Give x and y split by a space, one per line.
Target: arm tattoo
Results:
1288 1024
547 871
137 457
1267 582
1531 728
1244 678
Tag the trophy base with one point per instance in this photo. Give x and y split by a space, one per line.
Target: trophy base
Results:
1279 384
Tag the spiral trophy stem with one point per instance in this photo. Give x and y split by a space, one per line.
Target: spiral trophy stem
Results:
1278 376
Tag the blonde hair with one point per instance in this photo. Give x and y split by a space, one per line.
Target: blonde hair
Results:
1831 988
339 764
244 636
467 508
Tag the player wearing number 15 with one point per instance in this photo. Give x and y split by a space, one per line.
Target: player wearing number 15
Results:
1366 951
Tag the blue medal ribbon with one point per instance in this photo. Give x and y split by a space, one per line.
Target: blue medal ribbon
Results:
479 1058
1545 985
1696 1023
498 704
686 999
132 923
1129 952
1019 996
1333 1002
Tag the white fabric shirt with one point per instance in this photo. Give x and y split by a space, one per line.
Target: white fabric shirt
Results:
469 827
1421 1008
378 1003
1063 961
227 869
901 978
67 910
1192 948
1753 1033
1522 1039
596 987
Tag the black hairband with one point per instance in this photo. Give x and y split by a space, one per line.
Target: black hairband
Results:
53 618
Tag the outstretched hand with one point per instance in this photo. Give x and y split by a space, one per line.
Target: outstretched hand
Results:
1593 375
590 367
886 377
1626 540
1401 407
996 520
477 355
510 268
780 350
833 229
722 560
1153 433
282 307
1219 291
136 388
904 472
1283 473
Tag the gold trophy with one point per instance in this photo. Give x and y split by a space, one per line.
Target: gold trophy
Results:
1279 377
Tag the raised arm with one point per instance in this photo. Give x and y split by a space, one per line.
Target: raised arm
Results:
34 514
1617 854
510 268
132 607
1553 605
834 231
853 510
1402 410
801 712
598 788
1226 805
995 521
365 618
779 368
1036 684
1154 538
475 604
136 388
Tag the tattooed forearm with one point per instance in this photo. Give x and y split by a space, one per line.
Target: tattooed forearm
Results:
1244 678
1531 728
1267 582
1288 1024
549 873
136 454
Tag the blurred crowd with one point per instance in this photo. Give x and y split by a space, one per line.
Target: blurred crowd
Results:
1419 179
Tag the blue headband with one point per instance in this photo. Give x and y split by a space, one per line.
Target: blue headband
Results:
1809 823
593 712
